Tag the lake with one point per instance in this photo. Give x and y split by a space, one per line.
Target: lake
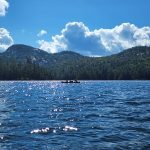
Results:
92 115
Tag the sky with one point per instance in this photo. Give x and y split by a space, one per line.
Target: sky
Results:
89 27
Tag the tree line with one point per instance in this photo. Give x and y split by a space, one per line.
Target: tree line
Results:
107 68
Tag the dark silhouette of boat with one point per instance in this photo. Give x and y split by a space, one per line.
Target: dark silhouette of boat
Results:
70 81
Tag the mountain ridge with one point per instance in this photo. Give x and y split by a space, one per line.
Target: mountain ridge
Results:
133 63
23 53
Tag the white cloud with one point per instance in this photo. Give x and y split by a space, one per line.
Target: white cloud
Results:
47 46
78 37
41 33
5 40
3 7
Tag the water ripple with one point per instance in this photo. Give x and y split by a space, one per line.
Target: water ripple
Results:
90 115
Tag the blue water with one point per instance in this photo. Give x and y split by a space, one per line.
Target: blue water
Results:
92 115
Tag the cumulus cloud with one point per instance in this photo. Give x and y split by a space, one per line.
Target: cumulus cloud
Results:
3 7
100 42
41 33
5 39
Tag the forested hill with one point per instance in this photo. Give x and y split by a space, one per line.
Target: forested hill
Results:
21 62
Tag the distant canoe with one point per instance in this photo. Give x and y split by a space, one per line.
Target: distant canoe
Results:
71 81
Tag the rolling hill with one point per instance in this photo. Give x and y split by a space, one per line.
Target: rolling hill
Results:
25 62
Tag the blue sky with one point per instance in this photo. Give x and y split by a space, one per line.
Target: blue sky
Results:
24 19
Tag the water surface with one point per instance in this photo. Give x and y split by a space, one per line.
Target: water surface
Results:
91 115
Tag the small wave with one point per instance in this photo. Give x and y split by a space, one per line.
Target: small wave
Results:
139 119
57 110
53 130
92 116
138 101
44 130
114 138
69 128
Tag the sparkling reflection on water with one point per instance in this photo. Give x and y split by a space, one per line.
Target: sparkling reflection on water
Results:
90 115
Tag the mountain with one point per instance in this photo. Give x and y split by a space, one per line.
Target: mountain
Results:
25 62
23 54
